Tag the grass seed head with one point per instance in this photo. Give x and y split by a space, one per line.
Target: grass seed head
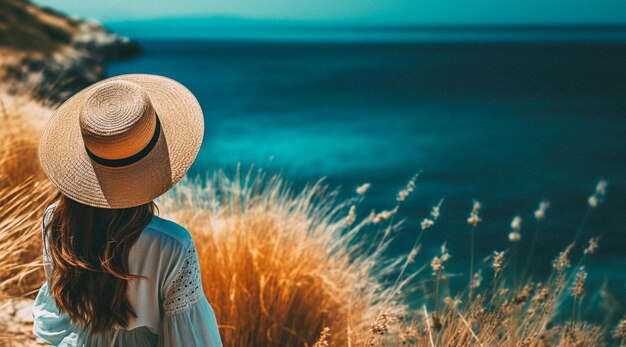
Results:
323 340
381 325
383 215
411 258
620 330
562 261
409 334
516 224
362 189
601 187
436 210
474 220
578 288
427 223
540 213
498 261
592 247
476 279
437 263
351 216
515 236
598 195
410 187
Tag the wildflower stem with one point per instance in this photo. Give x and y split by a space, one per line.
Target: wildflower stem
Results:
394 287
407 262
494 292
532 250
576 268
430 334
390 225
469 327
387 231
515 275
582 225
437 295
404 267
471 274
576 237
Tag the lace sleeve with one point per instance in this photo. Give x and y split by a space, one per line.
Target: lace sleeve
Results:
47 260
186 289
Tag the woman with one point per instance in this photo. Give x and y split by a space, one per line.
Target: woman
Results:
118 275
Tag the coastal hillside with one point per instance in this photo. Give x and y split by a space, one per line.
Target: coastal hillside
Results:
50 55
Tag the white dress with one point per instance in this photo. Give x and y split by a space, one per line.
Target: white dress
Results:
169 302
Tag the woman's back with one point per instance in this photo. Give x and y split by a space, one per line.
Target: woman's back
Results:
116 274
170 307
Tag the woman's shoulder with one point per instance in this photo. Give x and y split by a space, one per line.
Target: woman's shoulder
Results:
166 230
47 213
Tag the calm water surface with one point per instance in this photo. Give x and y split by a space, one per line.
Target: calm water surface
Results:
506 123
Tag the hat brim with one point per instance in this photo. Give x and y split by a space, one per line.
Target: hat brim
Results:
66 163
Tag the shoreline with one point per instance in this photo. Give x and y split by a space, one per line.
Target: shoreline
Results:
74 56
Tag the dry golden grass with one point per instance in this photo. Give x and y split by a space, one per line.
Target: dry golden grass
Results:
286 268
278 266
499 316
23 193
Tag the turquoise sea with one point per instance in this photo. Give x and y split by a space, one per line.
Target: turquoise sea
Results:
508 120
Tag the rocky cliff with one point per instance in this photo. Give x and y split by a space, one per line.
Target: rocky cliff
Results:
50 55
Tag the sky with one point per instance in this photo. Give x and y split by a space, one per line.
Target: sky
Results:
379 12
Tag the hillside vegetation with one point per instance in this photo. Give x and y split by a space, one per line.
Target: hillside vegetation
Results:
50 56
25 27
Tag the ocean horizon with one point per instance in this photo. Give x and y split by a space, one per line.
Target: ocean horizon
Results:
234 28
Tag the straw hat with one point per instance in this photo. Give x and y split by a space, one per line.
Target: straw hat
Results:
122 142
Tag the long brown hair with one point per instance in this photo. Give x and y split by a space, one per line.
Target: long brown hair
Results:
89 249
